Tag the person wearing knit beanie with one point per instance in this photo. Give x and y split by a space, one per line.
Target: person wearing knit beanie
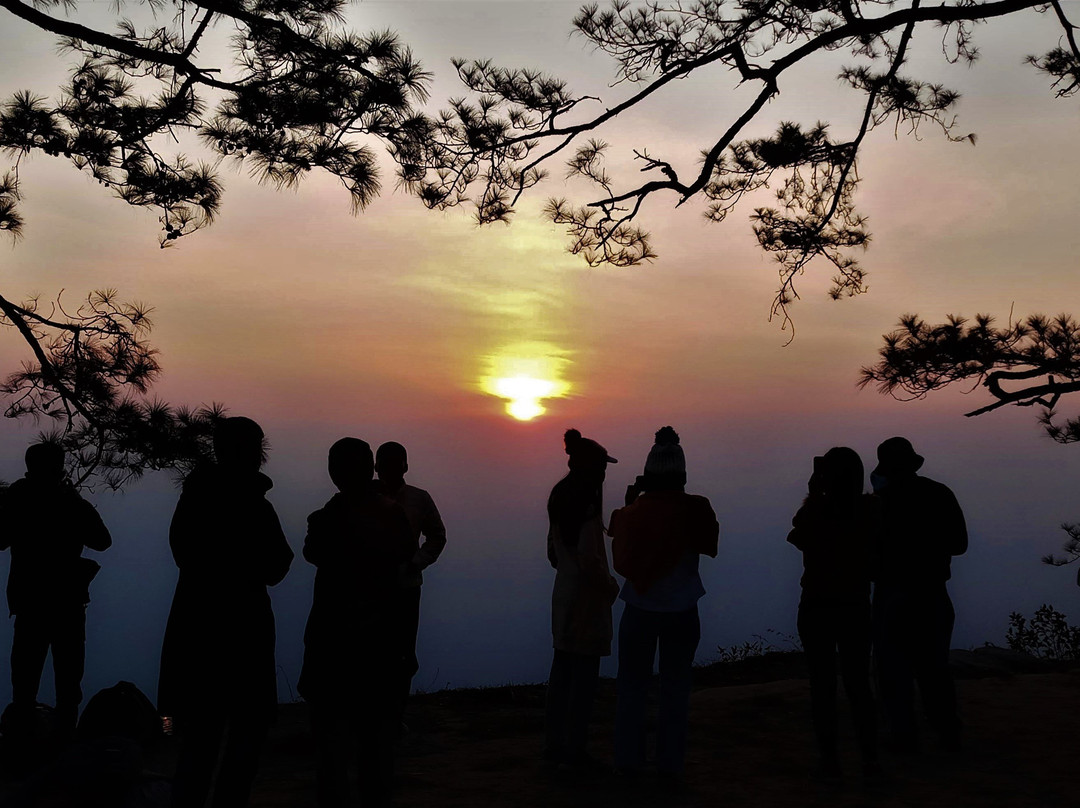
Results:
581 600
666 462
657 540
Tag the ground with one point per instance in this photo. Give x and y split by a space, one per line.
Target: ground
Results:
750 745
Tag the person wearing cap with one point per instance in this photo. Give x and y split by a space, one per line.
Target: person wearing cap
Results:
657 540
923 528
581 599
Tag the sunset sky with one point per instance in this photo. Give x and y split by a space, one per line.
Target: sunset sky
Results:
397 324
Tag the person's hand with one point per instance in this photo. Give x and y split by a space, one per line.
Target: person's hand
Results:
632 493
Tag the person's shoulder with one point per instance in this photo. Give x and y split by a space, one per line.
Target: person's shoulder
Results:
416 493
931 485
699 502
332 507
386 503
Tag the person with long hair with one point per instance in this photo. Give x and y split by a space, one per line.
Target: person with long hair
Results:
838 529
581 599
218 672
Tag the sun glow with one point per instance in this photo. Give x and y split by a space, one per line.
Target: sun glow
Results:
525 375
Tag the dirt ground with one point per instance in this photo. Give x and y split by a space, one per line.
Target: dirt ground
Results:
750 745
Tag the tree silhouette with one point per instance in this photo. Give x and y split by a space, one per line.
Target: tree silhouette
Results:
492 149
1031 362
1027 363
91 375
293 93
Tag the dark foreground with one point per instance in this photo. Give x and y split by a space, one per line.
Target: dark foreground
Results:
750 745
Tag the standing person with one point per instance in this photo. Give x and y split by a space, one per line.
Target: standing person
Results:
352 658
581 599
46 524
657 540
218 674
837 529
391 463
913 614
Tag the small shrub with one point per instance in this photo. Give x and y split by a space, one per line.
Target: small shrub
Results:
1047 636
758 646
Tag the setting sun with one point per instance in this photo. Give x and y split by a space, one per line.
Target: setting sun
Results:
523 395
525 375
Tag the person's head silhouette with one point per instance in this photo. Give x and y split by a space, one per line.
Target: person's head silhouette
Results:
392 462
587 459
351 465
665 466
838 473
239 444
45 462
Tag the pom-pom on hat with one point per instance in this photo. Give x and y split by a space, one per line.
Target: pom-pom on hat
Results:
666 458
584 452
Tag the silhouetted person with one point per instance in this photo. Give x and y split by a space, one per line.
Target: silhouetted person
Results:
218 674
391 463
913 615
838 531
657 540
581 599
352 648
47 524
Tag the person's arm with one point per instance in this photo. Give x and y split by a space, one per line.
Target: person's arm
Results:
403 543
806 524
553 557
92 528
275 555
183 532
874 532
620 550
316 542
434 532
953 522
708 529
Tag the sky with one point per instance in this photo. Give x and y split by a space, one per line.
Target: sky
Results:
391 325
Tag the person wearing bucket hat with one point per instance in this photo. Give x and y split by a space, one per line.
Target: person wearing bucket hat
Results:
581 600
657 540
923 528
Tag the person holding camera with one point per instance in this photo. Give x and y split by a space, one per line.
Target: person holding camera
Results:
838 530
657 540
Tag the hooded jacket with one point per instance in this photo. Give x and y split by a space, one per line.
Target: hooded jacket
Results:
219 642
